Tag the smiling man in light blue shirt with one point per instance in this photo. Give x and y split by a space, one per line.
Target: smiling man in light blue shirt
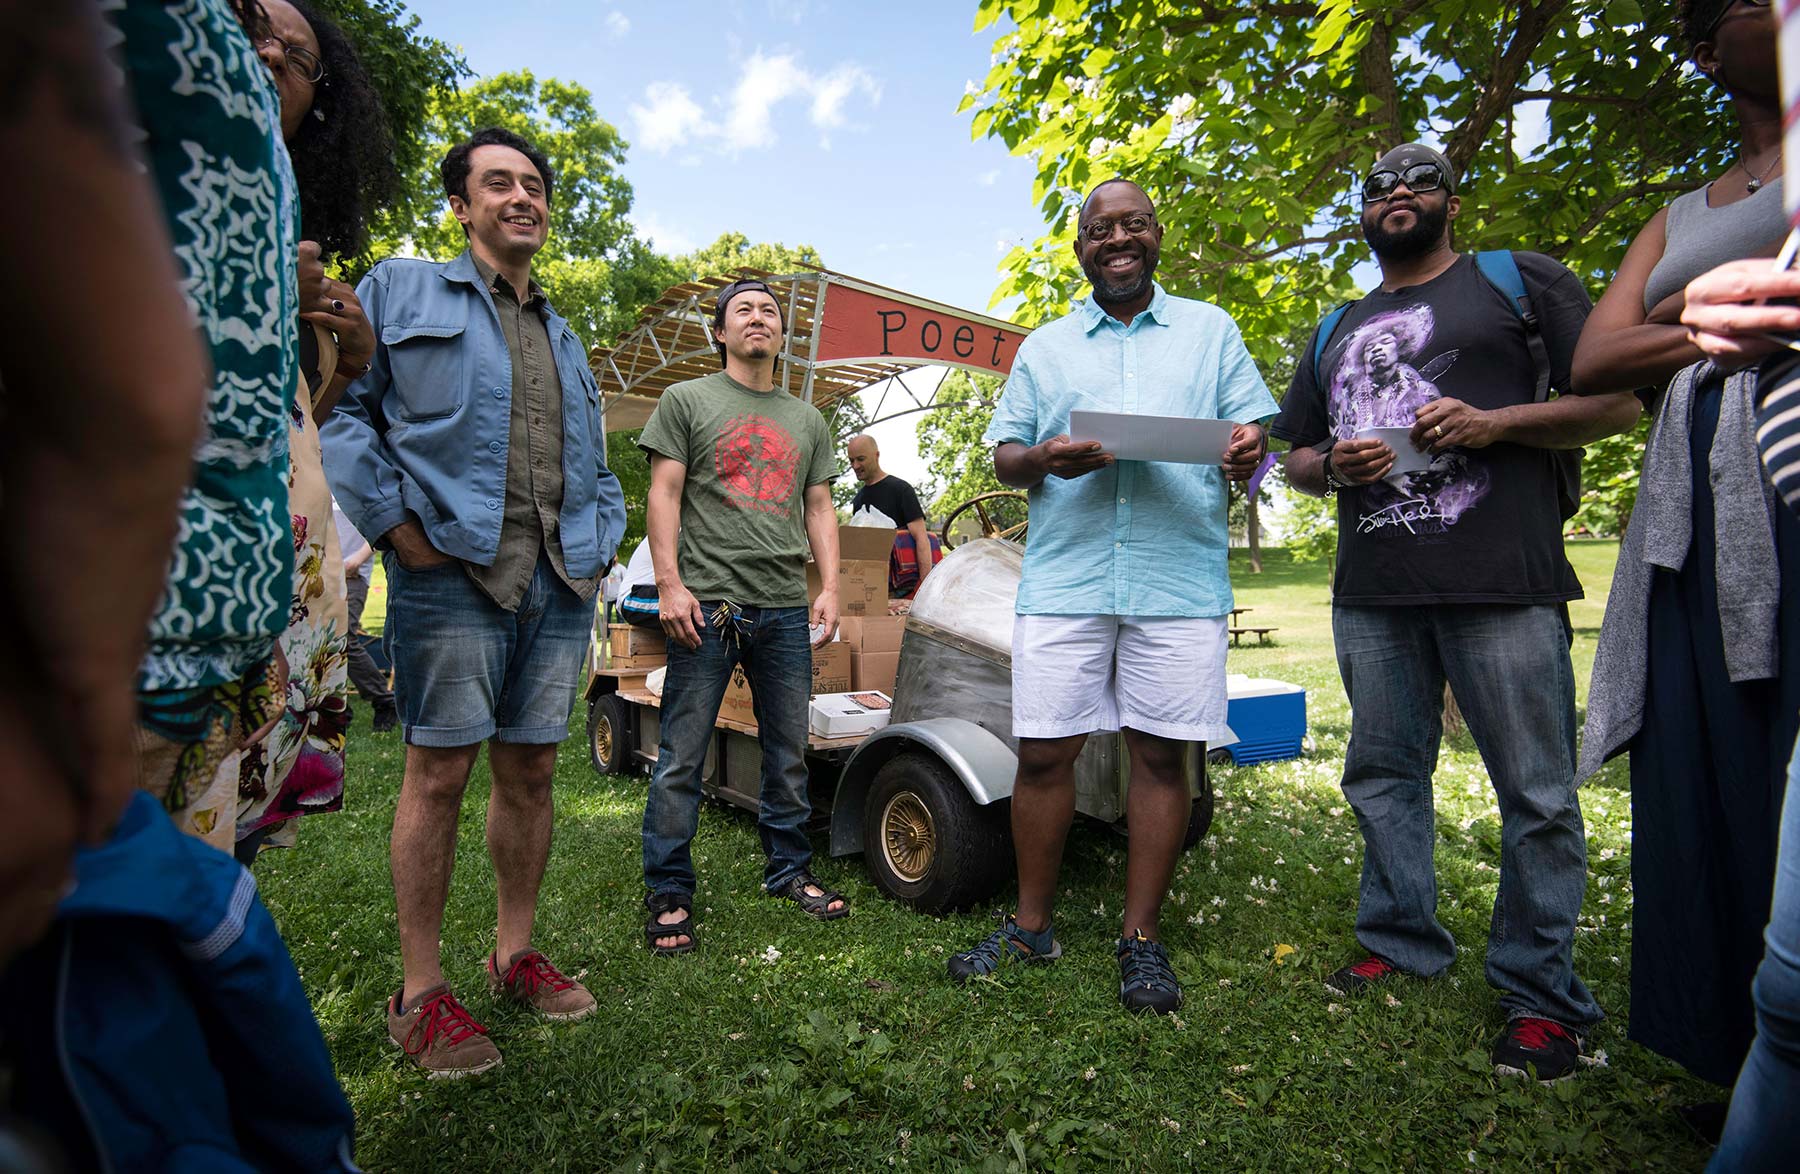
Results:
1122 610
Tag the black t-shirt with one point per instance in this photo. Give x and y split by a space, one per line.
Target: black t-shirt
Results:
891 496
1480 525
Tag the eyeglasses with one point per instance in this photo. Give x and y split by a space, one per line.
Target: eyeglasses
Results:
1726 11
304 62
1138 224
1419 179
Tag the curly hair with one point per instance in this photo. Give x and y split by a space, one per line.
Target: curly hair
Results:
455 168
343 152
1697 18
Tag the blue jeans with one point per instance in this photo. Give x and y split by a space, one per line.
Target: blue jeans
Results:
1509 668
775 649
1762 1132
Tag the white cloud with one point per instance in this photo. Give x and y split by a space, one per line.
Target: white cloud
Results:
669 120
667 240
617 23
670 117
988 179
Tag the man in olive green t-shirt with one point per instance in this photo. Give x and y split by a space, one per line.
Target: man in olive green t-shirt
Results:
739 489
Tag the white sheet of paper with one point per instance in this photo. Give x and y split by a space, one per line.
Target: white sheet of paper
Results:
1407 459
1180 439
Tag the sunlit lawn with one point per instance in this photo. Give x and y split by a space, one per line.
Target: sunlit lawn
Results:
788 1044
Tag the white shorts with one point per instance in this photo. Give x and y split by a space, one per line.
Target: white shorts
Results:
1164 675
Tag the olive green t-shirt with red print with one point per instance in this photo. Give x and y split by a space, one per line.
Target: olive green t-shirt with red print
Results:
750 457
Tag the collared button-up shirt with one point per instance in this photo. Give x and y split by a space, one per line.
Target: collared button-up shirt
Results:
534 479
1138 538
426 432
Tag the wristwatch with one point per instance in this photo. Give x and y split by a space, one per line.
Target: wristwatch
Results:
1333 482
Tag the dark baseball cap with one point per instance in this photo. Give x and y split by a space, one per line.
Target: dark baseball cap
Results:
728 292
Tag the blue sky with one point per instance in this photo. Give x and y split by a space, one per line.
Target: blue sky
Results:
802 121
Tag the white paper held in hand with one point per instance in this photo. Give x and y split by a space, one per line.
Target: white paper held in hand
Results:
1407 459
1177 439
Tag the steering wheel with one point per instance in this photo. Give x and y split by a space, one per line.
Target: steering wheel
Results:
1002 514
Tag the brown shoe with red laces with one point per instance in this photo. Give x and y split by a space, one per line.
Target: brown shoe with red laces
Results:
532 980
440 1036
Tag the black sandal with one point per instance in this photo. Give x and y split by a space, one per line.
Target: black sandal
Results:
818 907
667 903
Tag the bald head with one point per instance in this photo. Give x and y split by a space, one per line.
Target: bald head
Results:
1108 183
865 458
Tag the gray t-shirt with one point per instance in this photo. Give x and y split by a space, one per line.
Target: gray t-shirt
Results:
750 457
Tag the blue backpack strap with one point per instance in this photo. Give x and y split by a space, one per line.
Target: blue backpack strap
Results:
1502 272
1322 336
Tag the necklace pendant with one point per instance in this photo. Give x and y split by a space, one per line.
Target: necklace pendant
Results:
1753 185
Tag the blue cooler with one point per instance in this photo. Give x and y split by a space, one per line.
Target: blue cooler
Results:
1268 717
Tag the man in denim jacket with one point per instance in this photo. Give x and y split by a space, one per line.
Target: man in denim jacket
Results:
472 446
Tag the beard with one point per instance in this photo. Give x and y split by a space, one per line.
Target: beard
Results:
1405 244
1111 293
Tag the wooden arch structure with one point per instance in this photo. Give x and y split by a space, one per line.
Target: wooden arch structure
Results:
843 336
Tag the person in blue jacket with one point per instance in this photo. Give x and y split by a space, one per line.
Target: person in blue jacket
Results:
471 453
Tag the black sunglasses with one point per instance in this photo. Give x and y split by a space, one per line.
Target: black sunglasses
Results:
1419 179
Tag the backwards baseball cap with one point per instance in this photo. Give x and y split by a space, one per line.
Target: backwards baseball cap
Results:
1411 155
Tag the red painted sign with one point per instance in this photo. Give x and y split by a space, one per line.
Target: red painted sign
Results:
856 324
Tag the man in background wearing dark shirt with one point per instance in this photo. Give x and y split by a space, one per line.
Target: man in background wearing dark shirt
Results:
891 496
1455 571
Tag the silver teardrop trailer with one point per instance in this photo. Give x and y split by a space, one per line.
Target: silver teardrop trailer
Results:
925 799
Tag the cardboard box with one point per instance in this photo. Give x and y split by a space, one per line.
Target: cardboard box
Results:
862 587
865 543
874 670
847 715
831 672
877 633
831 668
632 640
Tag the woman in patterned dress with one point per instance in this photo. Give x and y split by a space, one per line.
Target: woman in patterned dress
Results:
208 121
336 133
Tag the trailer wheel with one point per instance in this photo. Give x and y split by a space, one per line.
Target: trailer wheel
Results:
925 842
609 724
1201 817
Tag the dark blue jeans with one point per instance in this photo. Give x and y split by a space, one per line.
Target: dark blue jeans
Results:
775 649
1509 668
1762 1132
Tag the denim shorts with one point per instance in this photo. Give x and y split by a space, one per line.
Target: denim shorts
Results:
466 670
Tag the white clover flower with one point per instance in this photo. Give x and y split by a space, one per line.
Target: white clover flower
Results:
771 955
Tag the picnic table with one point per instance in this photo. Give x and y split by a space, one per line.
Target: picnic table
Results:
1239 629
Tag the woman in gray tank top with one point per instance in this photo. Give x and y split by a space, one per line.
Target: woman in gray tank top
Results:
1697 675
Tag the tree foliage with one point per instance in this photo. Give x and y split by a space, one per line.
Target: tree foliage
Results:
734 250
1249 121
957 460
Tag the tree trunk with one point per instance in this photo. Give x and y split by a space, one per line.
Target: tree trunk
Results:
1253 528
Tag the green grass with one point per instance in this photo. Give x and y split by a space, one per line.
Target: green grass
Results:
850 1049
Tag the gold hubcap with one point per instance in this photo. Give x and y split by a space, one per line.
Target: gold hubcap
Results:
603 740
908 837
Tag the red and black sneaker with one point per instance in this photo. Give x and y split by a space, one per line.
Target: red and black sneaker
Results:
1351 980
1538 1048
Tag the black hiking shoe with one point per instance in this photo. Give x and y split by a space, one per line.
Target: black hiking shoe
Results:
1537 1048
1146 980
1009 943
1354 979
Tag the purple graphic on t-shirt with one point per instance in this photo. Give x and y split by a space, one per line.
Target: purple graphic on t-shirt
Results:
1375 385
